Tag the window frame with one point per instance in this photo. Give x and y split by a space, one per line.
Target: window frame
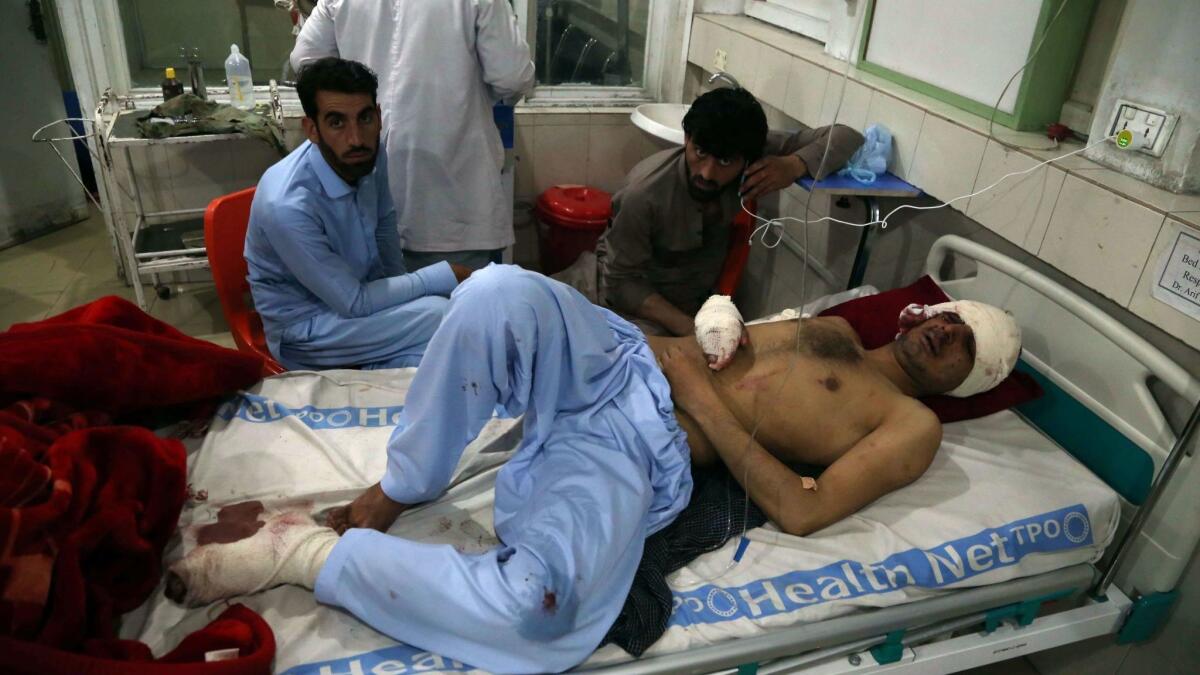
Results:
654 74
810 18
95 44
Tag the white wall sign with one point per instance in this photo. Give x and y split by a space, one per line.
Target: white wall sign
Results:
1178 280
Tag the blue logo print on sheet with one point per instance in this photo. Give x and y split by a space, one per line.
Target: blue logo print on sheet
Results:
947 563
930 568
397 659
262 410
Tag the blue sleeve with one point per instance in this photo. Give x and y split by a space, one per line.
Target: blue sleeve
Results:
300 241
387 237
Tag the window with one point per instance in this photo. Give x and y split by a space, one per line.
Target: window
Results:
585 50
596 42
806 17
156 31
615 51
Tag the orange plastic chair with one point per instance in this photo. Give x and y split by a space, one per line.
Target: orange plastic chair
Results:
225 223
739 251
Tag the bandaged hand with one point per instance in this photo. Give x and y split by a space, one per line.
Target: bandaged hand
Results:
288 549
720 331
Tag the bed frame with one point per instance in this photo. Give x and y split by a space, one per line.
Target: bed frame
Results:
1106 389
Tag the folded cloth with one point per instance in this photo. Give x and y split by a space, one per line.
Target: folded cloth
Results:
244 642
188 115
110 356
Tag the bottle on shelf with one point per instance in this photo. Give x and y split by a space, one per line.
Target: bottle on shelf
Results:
240 79
171 87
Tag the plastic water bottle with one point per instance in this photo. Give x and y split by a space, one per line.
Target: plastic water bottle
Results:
241 82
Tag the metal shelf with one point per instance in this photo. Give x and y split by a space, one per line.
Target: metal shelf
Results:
160 242
151 242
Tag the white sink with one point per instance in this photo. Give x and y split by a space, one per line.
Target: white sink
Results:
661 120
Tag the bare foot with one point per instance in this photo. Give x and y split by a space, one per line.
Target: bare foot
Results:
372 509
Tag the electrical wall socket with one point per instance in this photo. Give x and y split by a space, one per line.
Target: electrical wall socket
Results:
720 57
1150 128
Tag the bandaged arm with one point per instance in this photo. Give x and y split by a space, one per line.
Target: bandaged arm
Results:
719 330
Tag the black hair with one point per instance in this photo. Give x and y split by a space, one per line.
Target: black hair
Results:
333 74
727 123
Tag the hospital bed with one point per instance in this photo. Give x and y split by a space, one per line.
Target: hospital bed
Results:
1025 534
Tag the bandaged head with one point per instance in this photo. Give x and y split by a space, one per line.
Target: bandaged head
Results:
997 340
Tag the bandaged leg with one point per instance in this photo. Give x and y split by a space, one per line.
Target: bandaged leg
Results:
289 549
719 329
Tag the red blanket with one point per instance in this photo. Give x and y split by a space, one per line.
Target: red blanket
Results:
85 507
109 355
237 629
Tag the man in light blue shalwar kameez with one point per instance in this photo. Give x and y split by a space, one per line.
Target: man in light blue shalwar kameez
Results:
326 269
602 465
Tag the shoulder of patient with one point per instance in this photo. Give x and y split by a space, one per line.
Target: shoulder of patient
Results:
842 325
910 420
913 434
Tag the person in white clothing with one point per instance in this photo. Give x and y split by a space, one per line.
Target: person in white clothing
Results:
441 67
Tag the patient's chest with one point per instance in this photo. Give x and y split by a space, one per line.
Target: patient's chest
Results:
810 404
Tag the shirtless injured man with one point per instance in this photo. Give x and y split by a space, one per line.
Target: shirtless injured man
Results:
613 421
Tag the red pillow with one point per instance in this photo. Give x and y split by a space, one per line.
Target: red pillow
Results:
874 319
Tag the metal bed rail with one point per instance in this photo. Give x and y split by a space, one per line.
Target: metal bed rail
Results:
1131 415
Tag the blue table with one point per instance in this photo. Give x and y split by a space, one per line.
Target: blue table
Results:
885 185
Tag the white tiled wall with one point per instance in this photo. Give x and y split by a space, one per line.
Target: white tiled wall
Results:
1100 238
595 147
1101 227
1019 208
849 109
772 78
805 90
946 160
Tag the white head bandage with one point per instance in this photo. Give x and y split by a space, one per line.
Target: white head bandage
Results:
997 343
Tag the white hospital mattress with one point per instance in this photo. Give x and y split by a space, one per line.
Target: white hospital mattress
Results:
999 502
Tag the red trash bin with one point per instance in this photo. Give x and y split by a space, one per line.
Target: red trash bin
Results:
571 219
